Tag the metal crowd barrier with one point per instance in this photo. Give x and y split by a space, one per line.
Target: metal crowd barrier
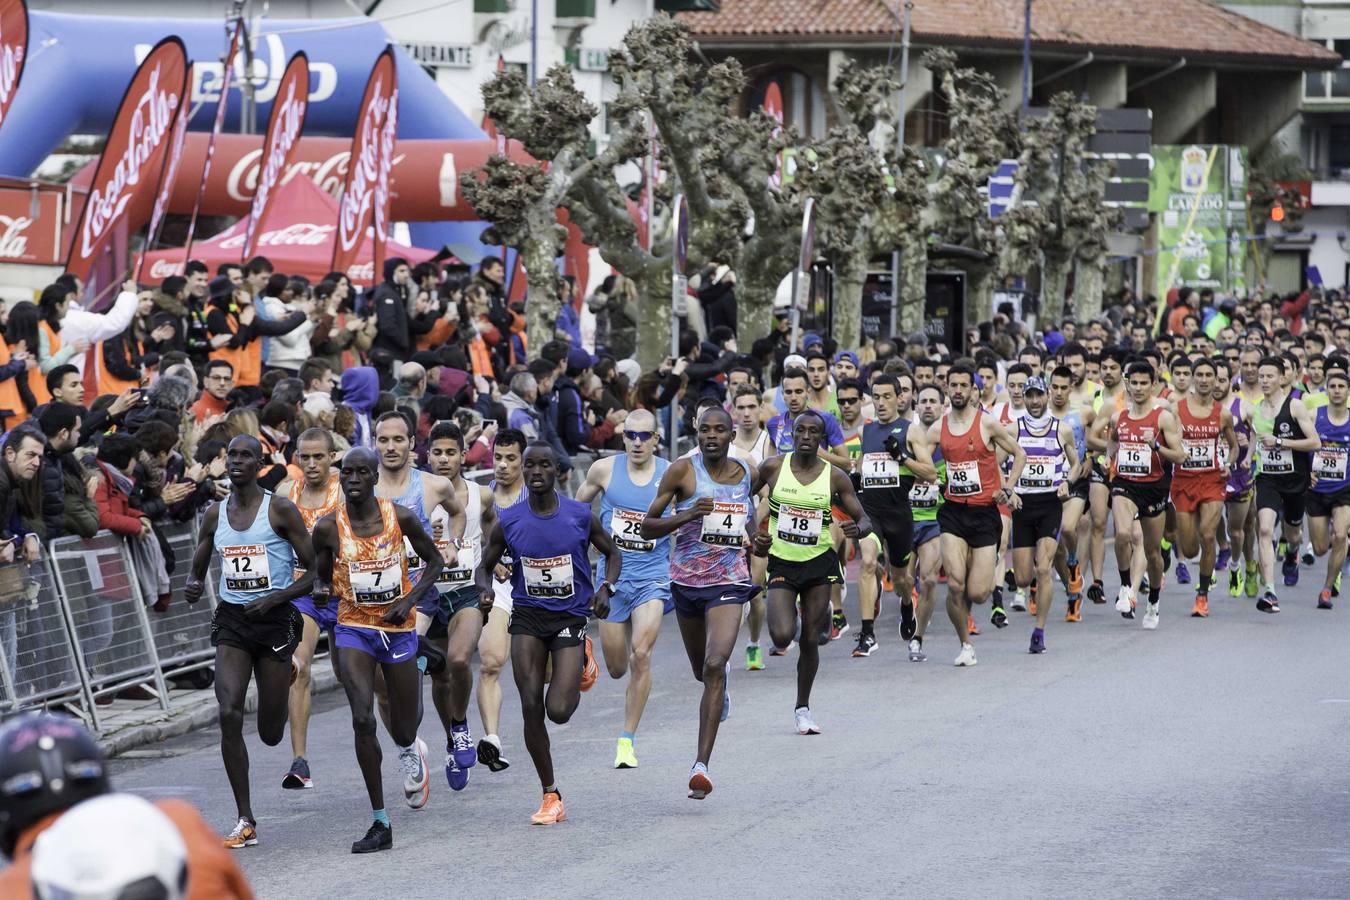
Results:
40 662
183 633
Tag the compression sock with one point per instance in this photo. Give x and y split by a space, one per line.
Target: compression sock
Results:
867 626
1125 577
553 789
628 735
1205 582
1153 593
382 817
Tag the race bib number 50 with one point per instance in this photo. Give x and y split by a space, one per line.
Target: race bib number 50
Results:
246 568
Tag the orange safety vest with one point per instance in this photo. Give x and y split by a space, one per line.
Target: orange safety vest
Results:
37 379
109 383
9 390
479 358
441 332
246 360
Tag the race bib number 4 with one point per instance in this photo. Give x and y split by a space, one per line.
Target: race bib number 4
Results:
547 577
1200 455
963 478
1330 463
246 568
459 563
375 582
879 470
725 525
799 526
1279 461
625 526
1134 460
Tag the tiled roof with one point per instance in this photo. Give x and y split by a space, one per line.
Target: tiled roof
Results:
1155 28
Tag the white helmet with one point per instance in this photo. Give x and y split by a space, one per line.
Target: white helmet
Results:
114 847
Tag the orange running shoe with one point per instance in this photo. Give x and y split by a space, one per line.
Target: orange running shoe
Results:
1075 610
245 834
1031 603
1075 585
590 671
1201 608
886 585
551 810
971 627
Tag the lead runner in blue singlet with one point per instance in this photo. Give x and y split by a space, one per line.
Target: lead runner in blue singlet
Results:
626 485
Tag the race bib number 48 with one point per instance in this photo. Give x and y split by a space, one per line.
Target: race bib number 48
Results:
375 582
725 525
246 568
625 526
963 478
550 576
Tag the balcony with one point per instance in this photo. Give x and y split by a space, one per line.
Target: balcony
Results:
574 12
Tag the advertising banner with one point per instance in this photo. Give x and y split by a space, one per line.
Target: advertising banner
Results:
13 50
167 174
134 151
283 135
388 138
226 75
1199 193
357 204
30 225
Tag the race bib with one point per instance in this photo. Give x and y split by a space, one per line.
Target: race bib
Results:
1279 461
550 576
1134 460
963 478
246 568
375 582
625 526
1330 463
1037 475
458 570
799 526
924 495
725 525
880 470
414 561
1200 455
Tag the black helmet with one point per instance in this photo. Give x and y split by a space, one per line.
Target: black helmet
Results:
48 763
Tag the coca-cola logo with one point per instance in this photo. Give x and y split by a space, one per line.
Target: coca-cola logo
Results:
290 118
361 273
329 174
359 196
388 134
297 234
149 125
13 241
163 268
11 64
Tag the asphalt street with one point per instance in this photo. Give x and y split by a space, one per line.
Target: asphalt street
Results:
1200 760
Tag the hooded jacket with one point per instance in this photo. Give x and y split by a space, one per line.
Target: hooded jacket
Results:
360 391
521 415
394 324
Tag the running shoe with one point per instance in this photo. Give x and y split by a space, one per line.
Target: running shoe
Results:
1336 586
1019 601
461 744
805 724
1290 569
916 653
1075 585
1096 593
590 671
998 617
379 836
1225 554
1308 557
1282 548
1075 611
551 810
1268 603
908 623
1324 599
1150 616
1183 573
490 754
1031 599
700 785
1201 608
1125 602
866 644
1167 555
971 627
297 779
1253 581
886 585
838 626
996 598
1037 641
1236 582
455 775
782 651
754 660
967 656
416 785
245 834
624 757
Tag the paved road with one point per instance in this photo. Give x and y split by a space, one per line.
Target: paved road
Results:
1203 759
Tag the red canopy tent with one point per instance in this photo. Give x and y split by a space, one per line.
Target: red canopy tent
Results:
297 237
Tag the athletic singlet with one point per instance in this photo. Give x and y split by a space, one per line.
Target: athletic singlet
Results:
553 569
885 482
1047 465
1284 467
1329 463
708 550
853 439
1315 400
413 499
1240 469
371 574
1137 456
799 514
460 562
1098 401
780 432
502 587
255 561
756 455
1074 419
1199 439
623 506
972 466
925 497
311 515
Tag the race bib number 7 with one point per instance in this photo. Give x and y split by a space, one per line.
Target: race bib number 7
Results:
375 582
246 568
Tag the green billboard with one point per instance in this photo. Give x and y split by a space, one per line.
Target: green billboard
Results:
1199 192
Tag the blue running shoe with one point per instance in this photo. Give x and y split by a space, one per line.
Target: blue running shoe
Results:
1183 573
1037 640
1290 569
461 745
457 777
1225 554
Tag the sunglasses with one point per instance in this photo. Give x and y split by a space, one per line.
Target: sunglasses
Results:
849 401
638 436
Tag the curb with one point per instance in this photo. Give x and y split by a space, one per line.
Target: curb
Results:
201 713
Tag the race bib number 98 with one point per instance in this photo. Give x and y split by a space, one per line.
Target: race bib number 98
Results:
1331 463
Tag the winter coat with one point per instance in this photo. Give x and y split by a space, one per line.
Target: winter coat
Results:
115 511
569 418
521 416
79 515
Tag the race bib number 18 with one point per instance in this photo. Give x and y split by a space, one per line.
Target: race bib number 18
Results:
799 526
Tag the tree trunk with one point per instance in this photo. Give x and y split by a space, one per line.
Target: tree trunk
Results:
912 292
1089 288
1054 284
848 291
542 300
979 292
754 306
653 329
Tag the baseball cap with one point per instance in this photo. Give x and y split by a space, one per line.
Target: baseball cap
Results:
1034 383
848 355
794 361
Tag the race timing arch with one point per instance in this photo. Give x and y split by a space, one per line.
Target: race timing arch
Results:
77 66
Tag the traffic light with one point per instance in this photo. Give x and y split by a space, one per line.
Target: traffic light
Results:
1277 212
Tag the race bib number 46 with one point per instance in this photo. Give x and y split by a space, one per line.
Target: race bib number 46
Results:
375 582
799 526
246 568
550 576
1279 461
626 528
725 525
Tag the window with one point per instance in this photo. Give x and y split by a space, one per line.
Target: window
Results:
1333 85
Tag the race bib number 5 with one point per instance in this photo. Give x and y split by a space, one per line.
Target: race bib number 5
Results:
725 525
246 568
625 526
550 576
799 526
375 582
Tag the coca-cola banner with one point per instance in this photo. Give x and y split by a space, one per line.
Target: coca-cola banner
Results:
283 135
13 51
357 203
131 159
30 224
226 75
388 137
167 175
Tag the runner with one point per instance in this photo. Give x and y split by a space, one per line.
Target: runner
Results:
548 536
1173 391
709 574
260 539
1239 510
360 559
1200 481
1066 557
895 456
802 563
925 499
1009 412
752 445
1108 400
969 520
1329 502
1051 464
1141 440
627 485
315 495
1285 438
849 393
455 628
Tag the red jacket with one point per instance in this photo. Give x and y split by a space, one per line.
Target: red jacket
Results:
1293 310
115 511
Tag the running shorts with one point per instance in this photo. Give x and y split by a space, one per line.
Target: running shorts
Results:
978 526
558 630
1290 504
272 636
1037 520
629 595
925 532
1320 506
693 602
325 618
386 646
1078 490
1189 491
446 606
805 574
1149 497
1096 473
894 527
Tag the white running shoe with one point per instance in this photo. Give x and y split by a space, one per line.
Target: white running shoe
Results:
416 784
1125 600
967 656
1019 601
1150 616
916 653
805 724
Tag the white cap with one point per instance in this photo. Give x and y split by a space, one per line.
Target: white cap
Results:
794 361
104 845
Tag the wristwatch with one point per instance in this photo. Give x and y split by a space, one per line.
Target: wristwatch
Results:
607 584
